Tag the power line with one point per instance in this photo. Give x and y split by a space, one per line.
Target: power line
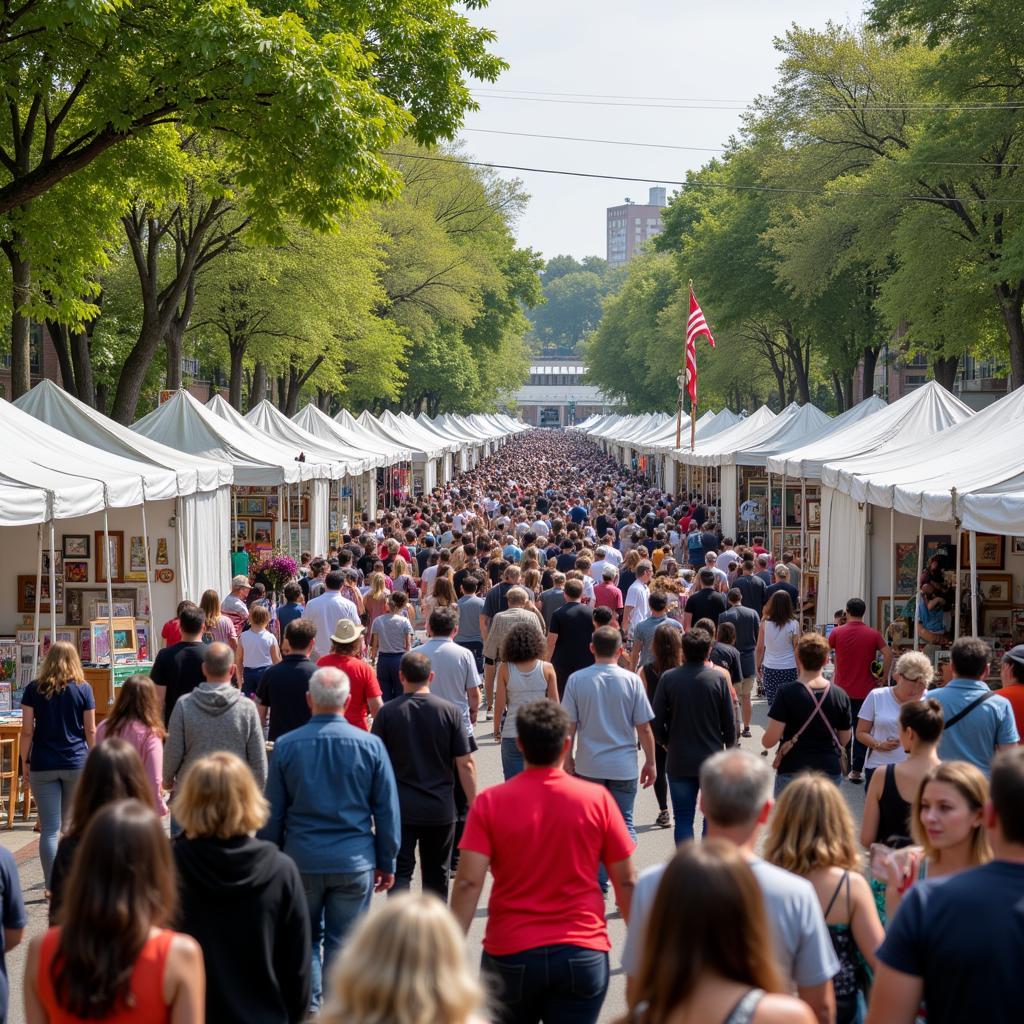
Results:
776 189
669 103
709 149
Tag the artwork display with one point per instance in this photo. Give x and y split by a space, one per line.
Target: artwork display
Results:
241 529
813 513
273 506
164 575
75 545
73 608
136 559
58 563
113 556
998 622
65 635
989 550
262 531
161 552
793 510
906 566
9 654
76 572
142 640
996 588
27 594
252 507
1017 545
26 664
122 640
121 610
814 549
883 619
298 508
940 546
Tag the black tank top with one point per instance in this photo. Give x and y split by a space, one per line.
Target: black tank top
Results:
651 676
893 810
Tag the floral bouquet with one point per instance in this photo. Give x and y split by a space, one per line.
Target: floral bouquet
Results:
279 569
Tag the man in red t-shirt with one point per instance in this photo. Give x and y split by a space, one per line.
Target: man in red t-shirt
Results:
543 835
857 645
346 645
607 593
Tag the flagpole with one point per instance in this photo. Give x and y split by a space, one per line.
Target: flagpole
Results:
693 400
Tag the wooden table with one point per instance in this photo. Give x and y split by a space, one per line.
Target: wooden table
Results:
105 687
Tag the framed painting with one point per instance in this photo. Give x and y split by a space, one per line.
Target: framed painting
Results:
1018 625
882 617
252 506
136 560
142 638
161 552
75 545
906 566
814 513
998 622
263 531
241 529
989 550
73 608
996 589
814 549
27 594
299 509
63 635
121 610
1017 545
9 660
791 541
113 556
273 506
58 563
26 660
76 572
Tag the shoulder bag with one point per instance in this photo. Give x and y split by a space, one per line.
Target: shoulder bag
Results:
788 745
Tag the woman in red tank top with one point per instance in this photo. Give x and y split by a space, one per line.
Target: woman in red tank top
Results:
113 960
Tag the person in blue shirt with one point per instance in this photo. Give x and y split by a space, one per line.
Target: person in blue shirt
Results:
334 811
292 607
978 722
12 919
931 622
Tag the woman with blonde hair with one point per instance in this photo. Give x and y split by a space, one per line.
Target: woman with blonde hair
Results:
947 823
235 888
219 628
405 963
811 833
707 954
58 728
375 601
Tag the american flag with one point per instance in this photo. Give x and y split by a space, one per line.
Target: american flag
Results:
695 325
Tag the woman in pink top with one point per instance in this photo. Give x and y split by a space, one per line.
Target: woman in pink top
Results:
219 628
137 719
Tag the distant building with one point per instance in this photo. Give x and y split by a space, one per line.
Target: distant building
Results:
630 226
978 382
554 394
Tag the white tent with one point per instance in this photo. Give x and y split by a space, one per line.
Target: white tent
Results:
425 454
739 434
392 450
472 445
203 511
921 413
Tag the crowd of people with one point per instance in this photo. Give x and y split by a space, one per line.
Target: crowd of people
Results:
306 755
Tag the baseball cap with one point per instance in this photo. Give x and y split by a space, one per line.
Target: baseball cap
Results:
239 581
1015 654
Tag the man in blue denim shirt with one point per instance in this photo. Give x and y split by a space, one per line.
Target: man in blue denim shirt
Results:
334 811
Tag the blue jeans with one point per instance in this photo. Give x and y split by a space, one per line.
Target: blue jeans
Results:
335 901
554 984
387 675
476 648
511 757
783 779
623 792
52 791
684 806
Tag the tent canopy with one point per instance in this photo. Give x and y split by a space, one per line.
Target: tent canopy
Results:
367 440
741 433
185 424
920 414
421 448
332 433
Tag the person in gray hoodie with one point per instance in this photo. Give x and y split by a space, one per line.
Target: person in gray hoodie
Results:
214 716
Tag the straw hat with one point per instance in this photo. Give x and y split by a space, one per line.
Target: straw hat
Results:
346 632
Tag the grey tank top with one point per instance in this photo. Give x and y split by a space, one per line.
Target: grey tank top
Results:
743 1012
521 688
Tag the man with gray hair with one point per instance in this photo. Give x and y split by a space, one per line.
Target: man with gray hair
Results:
736 799
214 717
520 610
334 811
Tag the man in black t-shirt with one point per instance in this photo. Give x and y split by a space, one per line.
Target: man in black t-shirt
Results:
427 742
572 627
751 587
283 687
178 669
706 603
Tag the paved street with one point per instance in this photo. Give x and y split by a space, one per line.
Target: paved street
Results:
654 845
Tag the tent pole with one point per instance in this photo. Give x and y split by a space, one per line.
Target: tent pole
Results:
956 589
803 543
110 598
974 583
892 564
154 642
53 587
768 515
236 544
280 515
917 583
39 599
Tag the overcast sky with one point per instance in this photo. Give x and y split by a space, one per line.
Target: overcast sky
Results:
712 52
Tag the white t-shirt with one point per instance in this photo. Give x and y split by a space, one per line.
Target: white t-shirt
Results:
637 599
725 557
882 709
614 556
256 647
778 644
325 612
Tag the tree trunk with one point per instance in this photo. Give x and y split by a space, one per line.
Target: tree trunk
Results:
81 360
102 396
944 368
21 325
1010 300
870 362
59 336
282 392
837 387
236 349
172 342
848 391
322 399
259 384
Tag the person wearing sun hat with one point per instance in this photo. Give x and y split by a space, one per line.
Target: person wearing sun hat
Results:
365 696
1011 674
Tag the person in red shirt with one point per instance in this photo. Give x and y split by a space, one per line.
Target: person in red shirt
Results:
857 646
543 834
346 645
171 632
607 593
1011 674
